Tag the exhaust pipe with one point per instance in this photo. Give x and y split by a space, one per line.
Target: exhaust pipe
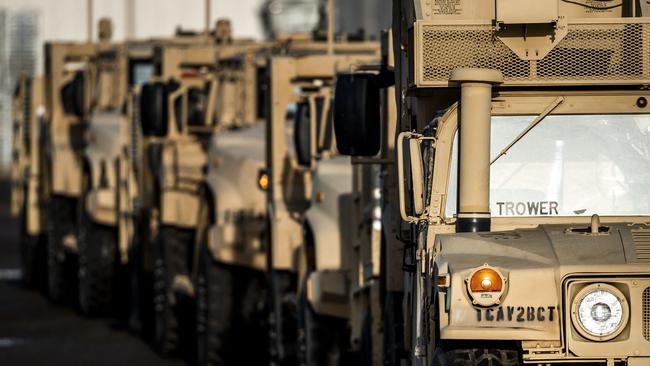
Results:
474 160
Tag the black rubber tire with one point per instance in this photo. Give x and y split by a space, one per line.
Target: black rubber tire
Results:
475 357
136 288
141 299
366 355
215 314
283 318
32 256
98 267
230 316
393 326
171 259
61 267
322 339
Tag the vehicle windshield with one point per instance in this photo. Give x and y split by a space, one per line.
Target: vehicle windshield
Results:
568 165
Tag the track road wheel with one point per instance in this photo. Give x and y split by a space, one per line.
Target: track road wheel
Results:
171 259
475 357
97 267
61 269
322 339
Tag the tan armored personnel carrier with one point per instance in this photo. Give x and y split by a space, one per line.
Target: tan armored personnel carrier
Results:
522 163
28 117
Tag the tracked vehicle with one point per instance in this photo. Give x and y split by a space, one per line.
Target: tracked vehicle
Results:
521 157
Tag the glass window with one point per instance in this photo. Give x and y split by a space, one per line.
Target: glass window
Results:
568 165
141 72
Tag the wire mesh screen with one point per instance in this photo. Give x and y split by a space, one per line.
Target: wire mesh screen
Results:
595 52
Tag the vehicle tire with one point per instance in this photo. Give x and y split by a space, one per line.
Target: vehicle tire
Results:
282 318
32 256
215 314
393 325
136 288
366 340
171 259
97 267
229 315
61 267
321 339
475 357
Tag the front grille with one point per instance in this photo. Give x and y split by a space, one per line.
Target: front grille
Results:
591 52
646 314
641 240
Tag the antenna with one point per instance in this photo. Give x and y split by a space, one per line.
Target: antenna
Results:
330 27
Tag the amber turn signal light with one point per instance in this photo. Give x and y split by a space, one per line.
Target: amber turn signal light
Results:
486 280
263 181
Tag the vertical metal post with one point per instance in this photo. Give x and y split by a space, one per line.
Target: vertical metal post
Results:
129 16
330 27
207 18
89 20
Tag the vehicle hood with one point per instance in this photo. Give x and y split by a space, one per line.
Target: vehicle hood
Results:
556 246
535 262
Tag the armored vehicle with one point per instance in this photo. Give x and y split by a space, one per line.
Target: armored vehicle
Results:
300 174
521 153
200 93
66 78
28 116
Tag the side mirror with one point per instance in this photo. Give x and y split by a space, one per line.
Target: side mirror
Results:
73 96
412 142
357 119
302 138
154 107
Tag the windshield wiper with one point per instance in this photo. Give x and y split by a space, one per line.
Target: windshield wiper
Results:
551 107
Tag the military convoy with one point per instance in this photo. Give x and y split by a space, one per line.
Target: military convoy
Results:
468 189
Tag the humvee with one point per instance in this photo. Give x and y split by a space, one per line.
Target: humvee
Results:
522 150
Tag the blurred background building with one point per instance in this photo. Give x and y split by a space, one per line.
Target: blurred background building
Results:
26 24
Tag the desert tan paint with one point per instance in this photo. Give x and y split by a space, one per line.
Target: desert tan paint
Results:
537 251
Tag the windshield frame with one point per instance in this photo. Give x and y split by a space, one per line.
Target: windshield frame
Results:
526 104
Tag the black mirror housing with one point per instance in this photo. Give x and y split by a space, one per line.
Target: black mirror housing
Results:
153 107
357 119
73 96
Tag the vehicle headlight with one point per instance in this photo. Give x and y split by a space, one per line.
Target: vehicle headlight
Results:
600 312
